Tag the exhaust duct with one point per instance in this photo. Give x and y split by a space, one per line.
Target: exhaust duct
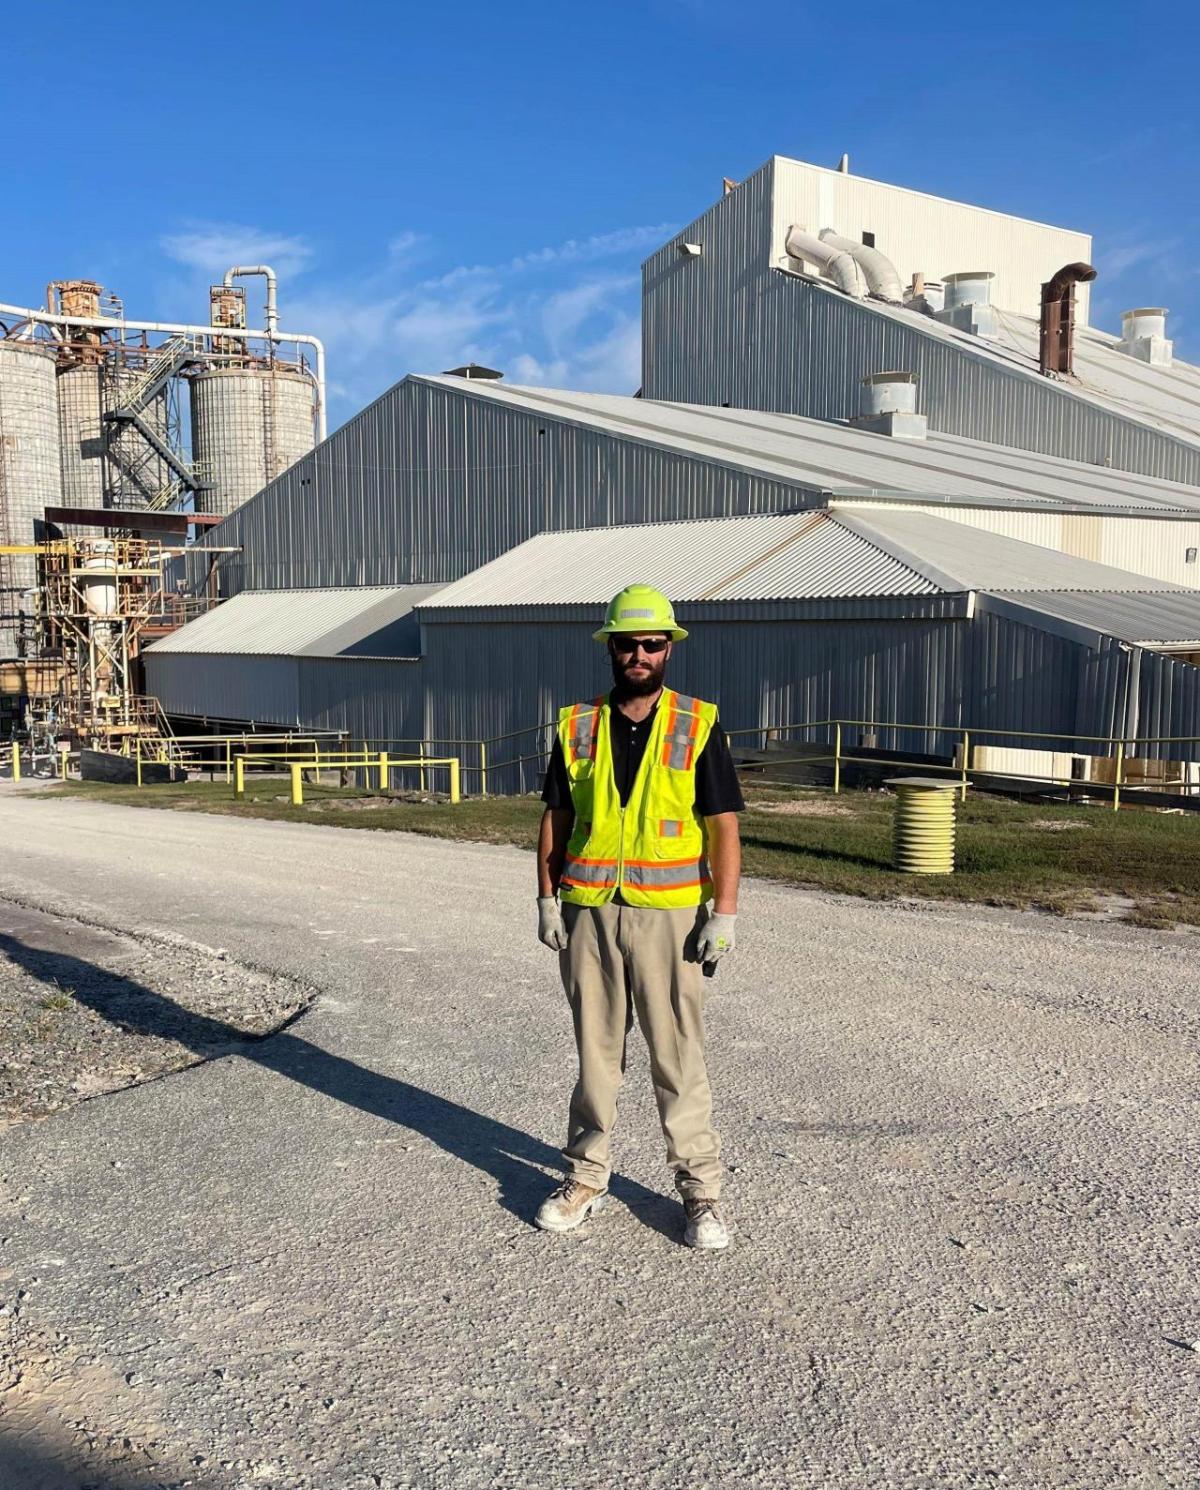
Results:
878 270
833 263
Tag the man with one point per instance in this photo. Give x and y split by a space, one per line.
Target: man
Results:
640 831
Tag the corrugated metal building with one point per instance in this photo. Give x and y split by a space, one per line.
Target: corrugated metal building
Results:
885 615
442 474
321 659
738 325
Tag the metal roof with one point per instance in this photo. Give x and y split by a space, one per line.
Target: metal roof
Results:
777 556
1148 620
965 558
365 621
787 556
820 456
1166 397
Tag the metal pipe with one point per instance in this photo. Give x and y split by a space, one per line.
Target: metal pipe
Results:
878 270
838 266
174 328
246 271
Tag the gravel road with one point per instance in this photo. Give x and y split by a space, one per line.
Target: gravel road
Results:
964 1152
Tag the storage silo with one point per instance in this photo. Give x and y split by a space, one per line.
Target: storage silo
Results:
29 468
248 424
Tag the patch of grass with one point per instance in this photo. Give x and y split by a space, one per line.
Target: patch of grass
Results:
1009 854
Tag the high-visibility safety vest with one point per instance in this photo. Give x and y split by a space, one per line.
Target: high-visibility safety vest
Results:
653 848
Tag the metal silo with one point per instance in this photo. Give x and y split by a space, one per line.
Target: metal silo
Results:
29 468
248 425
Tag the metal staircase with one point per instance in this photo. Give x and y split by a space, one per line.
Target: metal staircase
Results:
134 412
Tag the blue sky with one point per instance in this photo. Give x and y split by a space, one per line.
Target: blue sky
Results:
436 183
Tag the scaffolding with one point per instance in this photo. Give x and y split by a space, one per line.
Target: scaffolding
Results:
95 598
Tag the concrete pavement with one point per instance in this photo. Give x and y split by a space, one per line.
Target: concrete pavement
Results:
964 1148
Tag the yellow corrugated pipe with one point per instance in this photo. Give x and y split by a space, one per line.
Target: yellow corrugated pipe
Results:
923 840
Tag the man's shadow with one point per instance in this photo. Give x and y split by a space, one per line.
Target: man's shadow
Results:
516 1161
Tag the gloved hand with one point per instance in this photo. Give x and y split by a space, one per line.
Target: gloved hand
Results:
715 937
552 931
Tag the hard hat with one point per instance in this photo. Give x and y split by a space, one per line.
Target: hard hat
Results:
640 608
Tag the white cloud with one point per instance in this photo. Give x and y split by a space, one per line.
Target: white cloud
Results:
213 247
544 317
598 246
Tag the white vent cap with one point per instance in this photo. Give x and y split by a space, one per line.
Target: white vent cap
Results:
1144 335
969 287
889 393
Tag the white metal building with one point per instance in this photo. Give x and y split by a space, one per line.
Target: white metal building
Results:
737 321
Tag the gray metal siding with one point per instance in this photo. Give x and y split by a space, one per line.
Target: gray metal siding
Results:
264 690
427 484
785 345
369 698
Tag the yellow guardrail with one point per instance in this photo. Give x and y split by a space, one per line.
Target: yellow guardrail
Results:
367 761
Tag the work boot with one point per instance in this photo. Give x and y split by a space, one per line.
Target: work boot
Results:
707 1226
570 1205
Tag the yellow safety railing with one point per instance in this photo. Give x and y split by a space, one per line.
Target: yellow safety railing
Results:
367 761
1119 751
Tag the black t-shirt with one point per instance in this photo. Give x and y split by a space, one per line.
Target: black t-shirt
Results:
717 788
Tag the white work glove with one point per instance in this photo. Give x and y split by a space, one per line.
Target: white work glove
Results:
715 937
552 932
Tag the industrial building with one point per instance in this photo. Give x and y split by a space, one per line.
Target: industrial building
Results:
96 451
872 499
832 571
799 283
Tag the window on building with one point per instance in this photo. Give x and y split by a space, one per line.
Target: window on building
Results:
868 239
1189 556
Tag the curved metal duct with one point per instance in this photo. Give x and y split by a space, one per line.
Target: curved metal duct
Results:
878 270
836 265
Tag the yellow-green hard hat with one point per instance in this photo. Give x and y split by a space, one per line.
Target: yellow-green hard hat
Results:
640 608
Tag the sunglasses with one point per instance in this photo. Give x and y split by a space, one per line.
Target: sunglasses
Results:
626 646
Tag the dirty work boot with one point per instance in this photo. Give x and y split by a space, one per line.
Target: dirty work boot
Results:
708 1227
569 1206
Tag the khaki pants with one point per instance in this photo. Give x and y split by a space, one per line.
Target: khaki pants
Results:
620 961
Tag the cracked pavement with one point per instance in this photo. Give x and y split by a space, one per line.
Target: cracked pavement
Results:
963 1147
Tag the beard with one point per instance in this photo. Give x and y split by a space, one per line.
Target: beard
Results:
639 686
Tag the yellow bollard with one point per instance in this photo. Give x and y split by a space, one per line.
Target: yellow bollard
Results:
837 759
421 759
63 752
923 841
1117 775
138 753
239 778
966 763
483 768
455 795
297 784
16 761
228 761
384 771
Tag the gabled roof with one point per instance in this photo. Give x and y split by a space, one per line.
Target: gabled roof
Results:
786 556
818 457
369 621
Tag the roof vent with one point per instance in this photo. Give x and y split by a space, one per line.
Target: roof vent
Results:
967 303
925 294
888 406
473 370
1144 336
